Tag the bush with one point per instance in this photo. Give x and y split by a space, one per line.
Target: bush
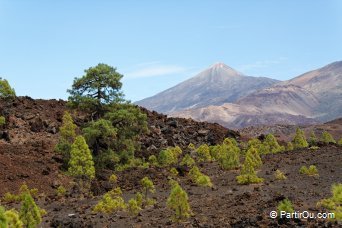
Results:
272 145
178 202
262 148
203 153
311 171
133 207
169 156
113 179
299 140
2 121
153 160
188 161
61 191
229 154
248 174
255 157
24 189
340 142
312 139
111 202
279 175
327 138
285 205
289 146
10 219
334 203
173 172
199 178
30 213
5 89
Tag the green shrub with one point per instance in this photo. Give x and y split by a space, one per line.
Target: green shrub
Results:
214 152
199 178
147 186
191 147
327 138
229 154
24 189
61 191
111 202
133 207
340 142
299 140
285 205
311 171
6 91
153 160
272 145
203 153
113 179
139 198
279 175
255 157
248 174
169 156
262 148
173 172
2 121
289 146
30 213
13 220
188 161
178 202
334 203
312 139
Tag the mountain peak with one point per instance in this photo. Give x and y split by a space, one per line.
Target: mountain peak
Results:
221 67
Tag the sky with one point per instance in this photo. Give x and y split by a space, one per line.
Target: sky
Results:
157 44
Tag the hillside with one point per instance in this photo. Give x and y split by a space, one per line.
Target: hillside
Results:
214 86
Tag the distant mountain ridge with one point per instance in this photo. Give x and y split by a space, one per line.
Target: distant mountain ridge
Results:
216 85
311 97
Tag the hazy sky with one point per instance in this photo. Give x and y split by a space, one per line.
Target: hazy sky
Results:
157 44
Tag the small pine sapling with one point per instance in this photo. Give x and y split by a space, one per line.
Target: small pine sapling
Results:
299 140
285 205
199 178
311 171
178 202
13 220
289 146
279 175
61 191
113 179
3 218
2 121
173 172
334 203
147 186
111 202
340 142
203 153
153 160
229 154
248 174
30 213
133 207
327 138
254 155
188 161
312 139
272 144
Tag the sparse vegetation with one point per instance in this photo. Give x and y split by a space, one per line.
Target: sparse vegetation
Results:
271 144
285 205
199 178
203 153
147 186
30 213
279 175
299 140
311 171
6 91
334 203
61 191
178 202
312 139
327 138
111 202
248 174
188 161
229 154
24 189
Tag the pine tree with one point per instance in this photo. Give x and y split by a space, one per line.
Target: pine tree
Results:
229 154
203 153
248 174
5 89
327 138
81 165
286 206
147 186
178 202
254 154
30 213
312 139
272 144
111 202
289 146
2 121
299 140
199 178
133 207
340 142
67 136
188 161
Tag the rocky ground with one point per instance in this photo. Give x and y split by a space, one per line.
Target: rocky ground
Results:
27 155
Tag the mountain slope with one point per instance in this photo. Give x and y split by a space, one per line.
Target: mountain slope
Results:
215 86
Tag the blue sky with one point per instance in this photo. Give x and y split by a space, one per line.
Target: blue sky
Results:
157 44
